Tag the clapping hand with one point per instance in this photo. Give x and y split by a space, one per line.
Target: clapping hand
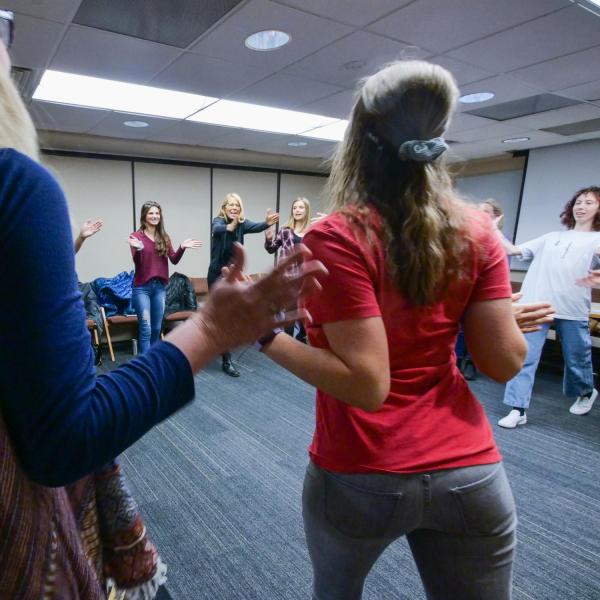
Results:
90 227
135 242
272 217
592 279
191 243
320 215
238 310
530 317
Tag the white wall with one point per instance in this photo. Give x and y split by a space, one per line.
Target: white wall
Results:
504 186
553 175
98 189
258 191
184 195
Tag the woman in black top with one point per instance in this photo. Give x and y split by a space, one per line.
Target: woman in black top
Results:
228 227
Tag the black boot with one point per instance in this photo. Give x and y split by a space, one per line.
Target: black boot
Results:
228 367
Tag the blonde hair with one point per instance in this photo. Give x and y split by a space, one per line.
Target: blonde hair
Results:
232 197
291 223
496 209
422 218
16 127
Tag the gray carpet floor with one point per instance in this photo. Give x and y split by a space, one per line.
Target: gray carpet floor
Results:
219 485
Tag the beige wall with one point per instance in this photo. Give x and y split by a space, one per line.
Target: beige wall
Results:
98 189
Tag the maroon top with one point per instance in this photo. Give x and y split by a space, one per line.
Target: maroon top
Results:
149 263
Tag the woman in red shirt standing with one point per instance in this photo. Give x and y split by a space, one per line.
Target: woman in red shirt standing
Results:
401 445
150 247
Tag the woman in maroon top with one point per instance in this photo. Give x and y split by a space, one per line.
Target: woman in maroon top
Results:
401 445
150 247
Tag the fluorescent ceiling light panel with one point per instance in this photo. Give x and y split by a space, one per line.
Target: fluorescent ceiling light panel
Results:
93 92
333 132
242 115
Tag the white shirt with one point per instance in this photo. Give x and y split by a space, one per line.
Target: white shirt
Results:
559 258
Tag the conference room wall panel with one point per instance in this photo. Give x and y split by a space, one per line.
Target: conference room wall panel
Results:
503 186
184 195
554 174
258 191
98 189
306 186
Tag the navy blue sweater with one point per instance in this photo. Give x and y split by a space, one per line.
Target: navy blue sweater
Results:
63 420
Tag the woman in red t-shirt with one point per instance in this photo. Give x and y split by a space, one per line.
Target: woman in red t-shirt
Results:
401 445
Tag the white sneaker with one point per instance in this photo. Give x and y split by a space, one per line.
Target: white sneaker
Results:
512 419
583 404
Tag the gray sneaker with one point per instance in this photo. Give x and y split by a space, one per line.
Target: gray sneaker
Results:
583 404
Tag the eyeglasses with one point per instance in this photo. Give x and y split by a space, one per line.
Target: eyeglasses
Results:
7 27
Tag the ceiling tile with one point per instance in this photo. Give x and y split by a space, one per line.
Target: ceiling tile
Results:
113 126
351 58
338 105
562 32
505 88
463 122
562 116
61 11
59 117
352 12
308 33
489 132
188 133
35 42
462 72
98 53
285 91
587 91
208 76
440 25
566 71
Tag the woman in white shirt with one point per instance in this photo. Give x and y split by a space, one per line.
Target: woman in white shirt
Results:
558 259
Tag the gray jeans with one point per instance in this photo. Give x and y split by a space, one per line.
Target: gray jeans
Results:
459 523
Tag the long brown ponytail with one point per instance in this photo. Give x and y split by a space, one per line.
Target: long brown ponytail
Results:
422 217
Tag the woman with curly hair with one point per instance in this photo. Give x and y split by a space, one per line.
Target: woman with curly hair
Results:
559 258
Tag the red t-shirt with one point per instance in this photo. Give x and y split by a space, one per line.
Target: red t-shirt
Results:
430 420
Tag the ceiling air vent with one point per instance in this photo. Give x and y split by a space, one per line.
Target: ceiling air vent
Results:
575 128
23 79
523 107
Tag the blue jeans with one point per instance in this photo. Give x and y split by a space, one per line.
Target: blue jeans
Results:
576 346
459 523
148 301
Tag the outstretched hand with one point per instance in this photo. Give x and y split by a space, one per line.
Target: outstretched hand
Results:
135 243
592 279
272 217
191 243
318 217
238 310
530 317
90 227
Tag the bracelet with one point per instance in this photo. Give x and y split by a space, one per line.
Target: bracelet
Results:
267 339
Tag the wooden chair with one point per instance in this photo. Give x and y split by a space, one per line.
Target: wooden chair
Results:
116 320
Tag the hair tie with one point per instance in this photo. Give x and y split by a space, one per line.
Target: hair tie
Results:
422 150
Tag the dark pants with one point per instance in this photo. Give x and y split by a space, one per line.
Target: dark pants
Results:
459 523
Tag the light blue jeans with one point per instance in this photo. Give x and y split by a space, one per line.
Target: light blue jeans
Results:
576 346
148 301
459 523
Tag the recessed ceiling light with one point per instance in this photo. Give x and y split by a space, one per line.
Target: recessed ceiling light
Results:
474 98
229 113
94 92
263 41
135 123
515 140
297 144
